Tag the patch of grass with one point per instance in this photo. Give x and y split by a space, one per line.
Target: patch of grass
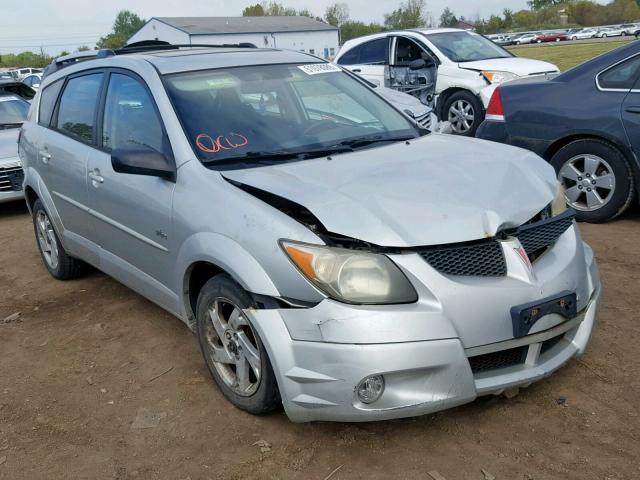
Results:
566 55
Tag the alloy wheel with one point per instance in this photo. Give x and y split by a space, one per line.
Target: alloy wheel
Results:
233 348
589 181
47 240
461 116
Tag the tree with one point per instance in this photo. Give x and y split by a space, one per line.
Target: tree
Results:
256 10
337 14
448 19
411 14
536 5
351 29
125 25
83 48
507 13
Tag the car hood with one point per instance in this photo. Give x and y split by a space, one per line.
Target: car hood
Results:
9 143
439 189
519 66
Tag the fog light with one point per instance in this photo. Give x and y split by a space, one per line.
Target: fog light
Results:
370 389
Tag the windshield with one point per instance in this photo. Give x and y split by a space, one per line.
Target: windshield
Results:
246 113
13 111
466 46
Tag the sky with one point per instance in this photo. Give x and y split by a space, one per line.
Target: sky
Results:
58 25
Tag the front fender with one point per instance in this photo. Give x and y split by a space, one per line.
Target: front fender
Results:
229 256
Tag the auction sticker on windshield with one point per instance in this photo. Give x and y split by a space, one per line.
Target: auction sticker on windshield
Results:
317 68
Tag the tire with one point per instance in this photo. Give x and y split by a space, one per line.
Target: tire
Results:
460 122
538 41
58 262
235 342
604 35
557 39
595 161
574 38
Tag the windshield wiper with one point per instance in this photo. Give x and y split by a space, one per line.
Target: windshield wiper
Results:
10 125
270 158
366 141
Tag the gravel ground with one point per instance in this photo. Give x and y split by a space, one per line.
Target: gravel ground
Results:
98 383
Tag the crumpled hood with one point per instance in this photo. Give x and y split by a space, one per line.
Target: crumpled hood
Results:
439 189
517 65
9 143
404 100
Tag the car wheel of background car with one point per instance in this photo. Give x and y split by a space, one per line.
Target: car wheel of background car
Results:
232 349
574 38
557 39
465 113
55 258
598 179
538 41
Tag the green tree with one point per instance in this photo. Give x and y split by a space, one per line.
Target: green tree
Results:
507 13
447 18
337 14
125 25
256 10
83 48
411 14
536 5
352 29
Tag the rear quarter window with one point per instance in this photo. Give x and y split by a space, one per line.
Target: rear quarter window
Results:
48 98
622 76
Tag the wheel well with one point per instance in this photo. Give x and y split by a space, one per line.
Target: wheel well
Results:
197 275
444 96
563 142
31 196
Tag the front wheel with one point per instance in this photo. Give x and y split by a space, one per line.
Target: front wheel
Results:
232 348
598 180
465 113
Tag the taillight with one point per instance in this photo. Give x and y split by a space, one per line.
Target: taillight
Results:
495 110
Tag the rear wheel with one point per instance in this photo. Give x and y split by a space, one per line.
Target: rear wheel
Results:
465 113
598 180
58 262
232 348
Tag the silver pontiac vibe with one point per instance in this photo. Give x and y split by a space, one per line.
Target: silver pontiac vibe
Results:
330 255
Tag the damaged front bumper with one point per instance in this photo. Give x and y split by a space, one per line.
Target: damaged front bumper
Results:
318 372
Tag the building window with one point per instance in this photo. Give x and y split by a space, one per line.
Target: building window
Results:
312 51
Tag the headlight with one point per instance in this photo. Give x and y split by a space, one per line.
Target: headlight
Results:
498 77
559 204
351 276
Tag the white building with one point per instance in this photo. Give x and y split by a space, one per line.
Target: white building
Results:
293 33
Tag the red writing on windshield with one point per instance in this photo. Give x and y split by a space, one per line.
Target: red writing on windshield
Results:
231 141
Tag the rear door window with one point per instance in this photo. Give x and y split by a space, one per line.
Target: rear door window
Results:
622 76
375 52
77 108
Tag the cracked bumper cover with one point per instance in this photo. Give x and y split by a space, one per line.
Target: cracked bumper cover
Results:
317 379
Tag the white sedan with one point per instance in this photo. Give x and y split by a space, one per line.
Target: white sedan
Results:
610 32
584 34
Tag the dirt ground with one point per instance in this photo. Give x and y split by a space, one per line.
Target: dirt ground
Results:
89 363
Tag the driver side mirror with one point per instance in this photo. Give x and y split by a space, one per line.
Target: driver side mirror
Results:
143 162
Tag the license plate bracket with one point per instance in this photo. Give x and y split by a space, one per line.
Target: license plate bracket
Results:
525 316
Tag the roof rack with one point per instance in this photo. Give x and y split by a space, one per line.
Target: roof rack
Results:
137 47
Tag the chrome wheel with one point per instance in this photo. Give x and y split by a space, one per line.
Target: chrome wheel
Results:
589 180
47 240
233 348
461 116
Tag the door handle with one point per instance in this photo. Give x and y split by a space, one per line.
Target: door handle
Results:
44 156
633 109
95 177
357 70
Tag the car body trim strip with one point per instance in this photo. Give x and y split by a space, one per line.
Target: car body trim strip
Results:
111 222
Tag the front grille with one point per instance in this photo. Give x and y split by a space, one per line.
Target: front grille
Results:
496 360
539 236
424 120
484 258
549 344
11 179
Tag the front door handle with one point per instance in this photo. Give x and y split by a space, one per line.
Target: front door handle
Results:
357 70
633 110
96 178
44 156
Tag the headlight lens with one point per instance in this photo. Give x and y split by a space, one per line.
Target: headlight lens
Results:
559 204
498 77
351 276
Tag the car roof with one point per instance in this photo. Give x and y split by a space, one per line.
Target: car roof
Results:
187 59
422 31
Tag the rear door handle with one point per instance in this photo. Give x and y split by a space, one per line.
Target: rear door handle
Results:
95 177
44 156
633 109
